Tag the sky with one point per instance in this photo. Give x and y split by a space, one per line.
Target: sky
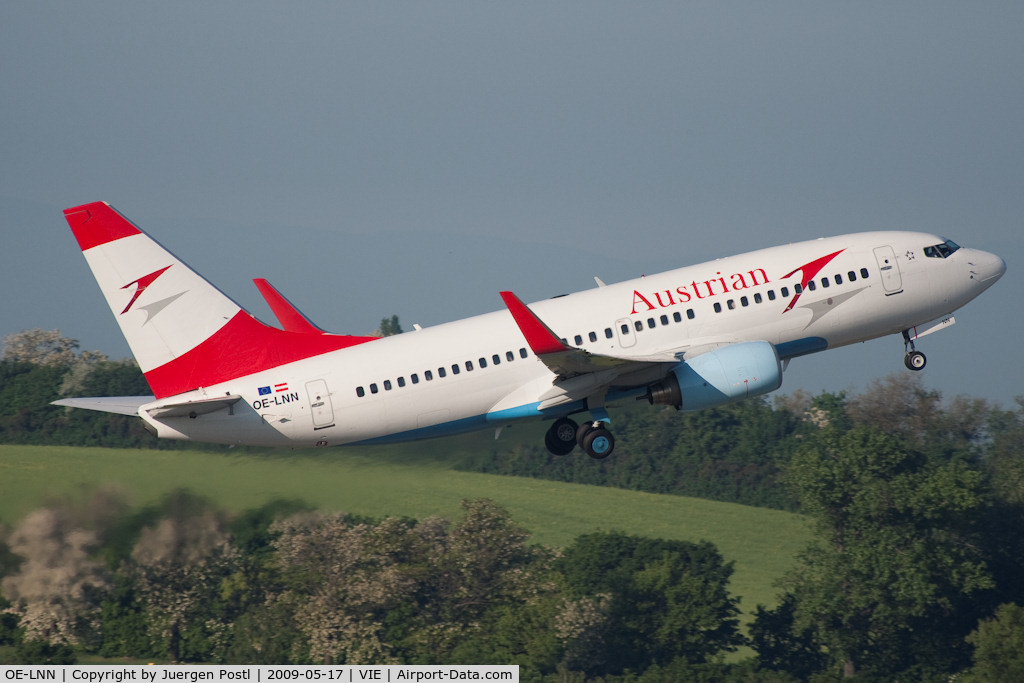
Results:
404 158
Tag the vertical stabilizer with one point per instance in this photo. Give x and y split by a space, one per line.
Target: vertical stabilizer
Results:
183 331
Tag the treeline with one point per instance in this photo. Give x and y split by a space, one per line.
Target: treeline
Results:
184 582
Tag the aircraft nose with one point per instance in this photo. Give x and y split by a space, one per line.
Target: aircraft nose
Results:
986 268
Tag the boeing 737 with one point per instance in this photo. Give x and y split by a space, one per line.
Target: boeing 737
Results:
692 338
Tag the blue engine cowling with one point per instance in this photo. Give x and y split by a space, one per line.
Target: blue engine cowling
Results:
717 377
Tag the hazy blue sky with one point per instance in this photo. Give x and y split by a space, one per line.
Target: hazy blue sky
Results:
416 158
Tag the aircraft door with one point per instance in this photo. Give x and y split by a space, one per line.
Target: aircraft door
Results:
892 281
624 330
320 404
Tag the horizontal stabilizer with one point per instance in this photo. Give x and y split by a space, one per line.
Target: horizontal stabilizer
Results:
121 405
192 408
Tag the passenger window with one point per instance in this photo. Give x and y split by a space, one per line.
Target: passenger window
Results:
811 286
509 356
651 323
415 378
578 339
469 366
496 359
664 320
608 334
592 336
373 389
690 314
864 273
401 381
428 375
718 307
639 326
360 392
442 373
744 301
731 304
839 279
455 369
771 295
785 291
757 298
851 276
483 363
677 316
825 282
799 289
387 385
522 352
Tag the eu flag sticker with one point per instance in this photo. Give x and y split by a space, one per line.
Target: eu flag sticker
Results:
264 391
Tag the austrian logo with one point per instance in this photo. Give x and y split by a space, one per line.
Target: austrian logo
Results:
141 284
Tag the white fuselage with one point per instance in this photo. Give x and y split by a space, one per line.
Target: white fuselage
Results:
478 371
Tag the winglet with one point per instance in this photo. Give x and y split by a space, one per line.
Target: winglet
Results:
291 318
538 335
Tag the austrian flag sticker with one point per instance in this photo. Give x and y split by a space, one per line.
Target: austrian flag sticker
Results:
277 389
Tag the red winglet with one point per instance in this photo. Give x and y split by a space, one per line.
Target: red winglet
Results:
97 223
291 318
538 335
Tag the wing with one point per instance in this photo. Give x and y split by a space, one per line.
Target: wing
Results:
579 374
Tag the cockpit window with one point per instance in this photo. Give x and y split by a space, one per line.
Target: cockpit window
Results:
944 250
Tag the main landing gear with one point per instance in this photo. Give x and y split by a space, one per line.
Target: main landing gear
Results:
593 437
914 360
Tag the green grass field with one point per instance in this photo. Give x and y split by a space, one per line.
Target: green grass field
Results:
394 481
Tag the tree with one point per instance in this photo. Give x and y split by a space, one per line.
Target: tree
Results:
661 600
887 584
40 347
999 646
55 591
388 327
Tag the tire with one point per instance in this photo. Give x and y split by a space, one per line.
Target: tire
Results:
915 360
560 438
599 443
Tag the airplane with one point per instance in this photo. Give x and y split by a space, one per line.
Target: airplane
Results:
696 337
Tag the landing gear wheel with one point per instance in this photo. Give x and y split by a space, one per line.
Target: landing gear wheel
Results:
915 360
598 443
561 437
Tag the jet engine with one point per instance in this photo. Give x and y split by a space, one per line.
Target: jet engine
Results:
717 377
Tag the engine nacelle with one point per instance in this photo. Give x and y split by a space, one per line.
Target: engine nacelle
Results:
718 377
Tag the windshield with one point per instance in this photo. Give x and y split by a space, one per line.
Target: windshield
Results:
944 250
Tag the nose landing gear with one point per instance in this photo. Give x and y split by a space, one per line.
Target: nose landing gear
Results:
914 360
